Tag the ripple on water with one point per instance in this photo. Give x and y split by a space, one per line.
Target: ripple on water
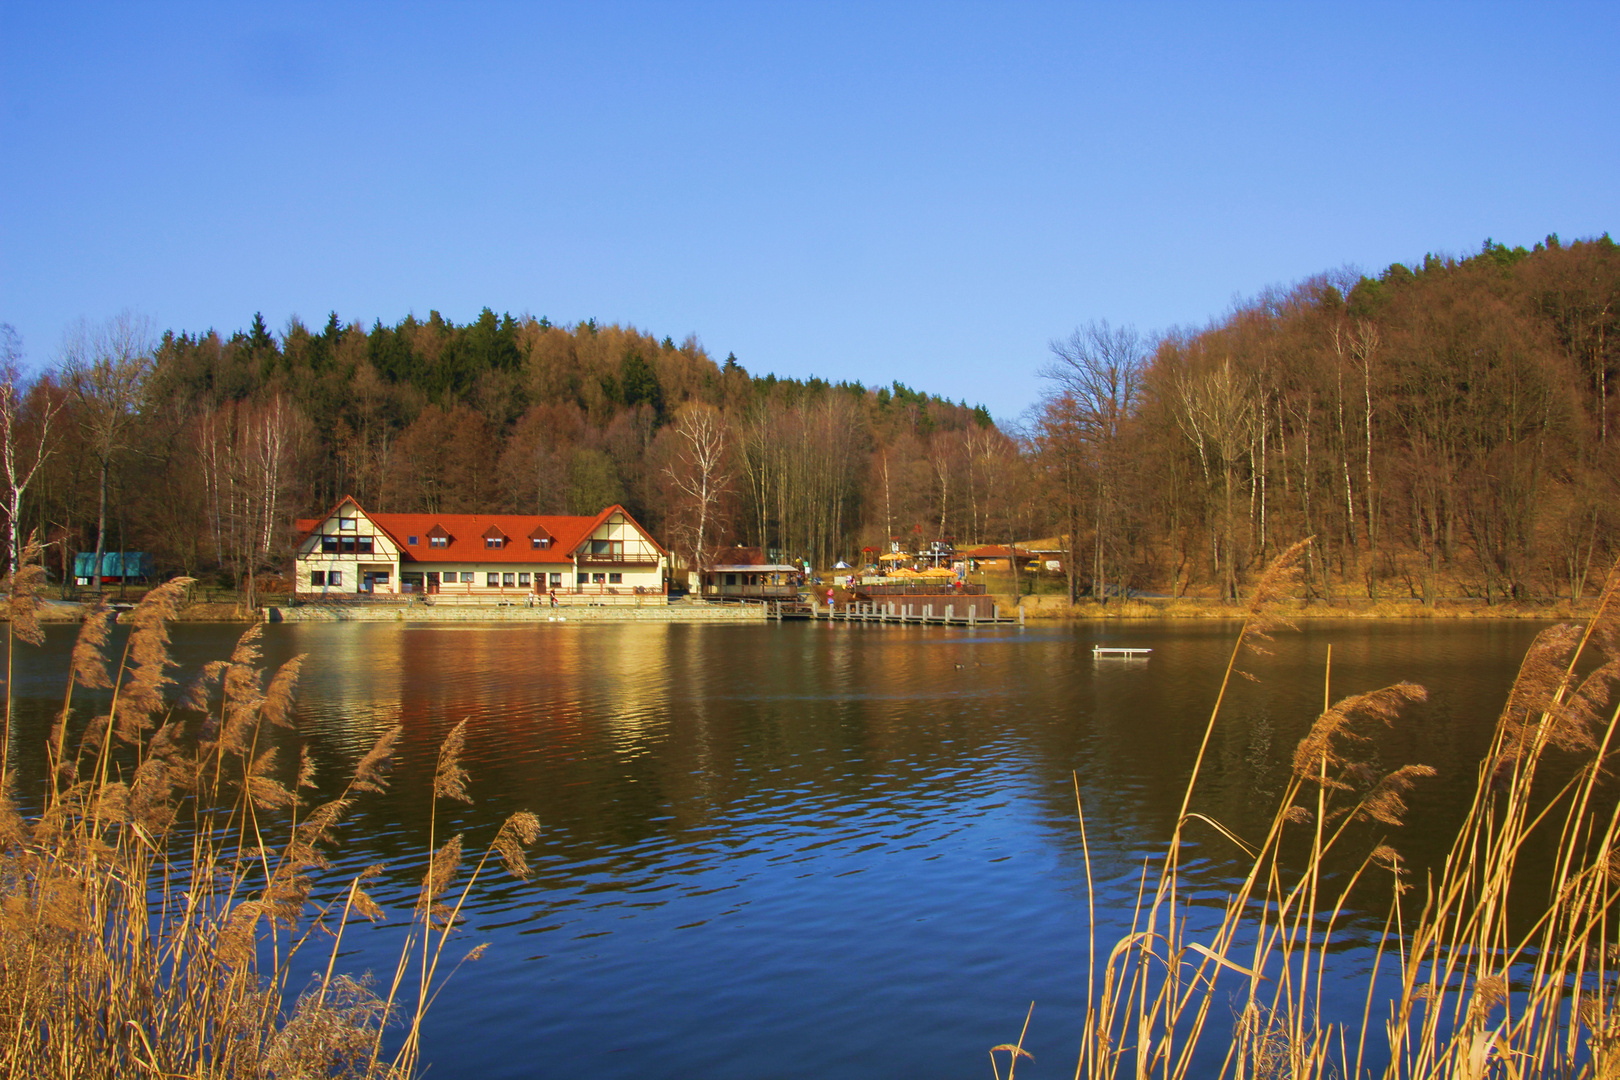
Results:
808 851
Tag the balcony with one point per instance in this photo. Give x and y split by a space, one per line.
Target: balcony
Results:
619 558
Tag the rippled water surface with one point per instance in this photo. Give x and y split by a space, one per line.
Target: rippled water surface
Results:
802 850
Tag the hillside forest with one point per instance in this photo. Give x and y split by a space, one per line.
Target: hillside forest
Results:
1441 429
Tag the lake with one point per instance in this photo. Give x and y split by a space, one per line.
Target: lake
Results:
798 850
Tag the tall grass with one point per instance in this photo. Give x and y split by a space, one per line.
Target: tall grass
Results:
1479 971
160 912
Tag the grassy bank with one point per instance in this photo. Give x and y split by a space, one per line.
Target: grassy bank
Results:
1057 606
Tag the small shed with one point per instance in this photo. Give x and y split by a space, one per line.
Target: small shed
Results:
116 566
747 581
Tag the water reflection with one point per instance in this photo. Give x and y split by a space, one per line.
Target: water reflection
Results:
810 850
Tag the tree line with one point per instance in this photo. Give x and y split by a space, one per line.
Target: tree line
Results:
200 448
1440 429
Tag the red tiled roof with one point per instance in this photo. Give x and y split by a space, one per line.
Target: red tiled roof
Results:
742 556
989 551
467 533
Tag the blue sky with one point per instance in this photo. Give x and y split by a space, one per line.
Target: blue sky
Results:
928 193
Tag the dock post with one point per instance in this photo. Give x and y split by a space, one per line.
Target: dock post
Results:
928 612
1020 614
973 614
950 610
995 612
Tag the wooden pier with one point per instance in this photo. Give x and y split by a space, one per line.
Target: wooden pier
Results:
1123 653
932 611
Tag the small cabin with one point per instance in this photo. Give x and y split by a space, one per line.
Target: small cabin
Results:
743 581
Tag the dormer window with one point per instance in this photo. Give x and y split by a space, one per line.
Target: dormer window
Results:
540 543
438 541
494 538
493 541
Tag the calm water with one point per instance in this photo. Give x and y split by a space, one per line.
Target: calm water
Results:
804 850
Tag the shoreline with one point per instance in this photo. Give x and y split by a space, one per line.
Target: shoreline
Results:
1059 609
1049 609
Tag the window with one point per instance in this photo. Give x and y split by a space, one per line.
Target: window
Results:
583 578
411 540
348 524
615 579
534 542
363 544
556 581
347 546
334 577
598 579
607 547
508 580
329 545
317 577
493 541
539 543
492 580
432 577
466 577
523 580
438 541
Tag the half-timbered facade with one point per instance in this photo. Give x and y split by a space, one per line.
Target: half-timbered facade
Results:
351 552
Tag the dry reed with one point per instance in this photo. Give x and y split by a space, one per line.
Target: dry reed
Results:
1463 985
149 923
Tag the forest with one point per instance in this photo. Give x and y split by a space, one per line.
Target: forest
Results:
1441 429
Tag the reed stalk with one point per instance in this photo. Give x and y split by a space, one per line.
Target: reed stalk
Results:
149 920
1491 978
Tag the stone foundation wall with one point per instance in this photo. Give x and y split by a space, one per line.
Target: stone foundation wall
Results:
516 613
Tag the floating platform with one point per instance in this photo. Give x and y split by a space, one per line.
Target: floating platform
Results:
1127 652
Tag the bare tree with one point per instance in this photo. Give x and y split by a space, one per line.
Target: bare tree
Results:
1099 369
246 452
106 366
699 473
20 464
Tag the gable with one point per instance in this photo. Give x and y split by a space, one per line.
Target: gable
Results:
347 529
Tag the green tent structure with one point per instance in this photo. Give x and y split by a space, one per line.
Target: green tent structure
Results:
115 566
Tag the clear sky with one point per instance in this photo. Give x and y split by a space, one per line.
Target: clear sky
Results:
872 191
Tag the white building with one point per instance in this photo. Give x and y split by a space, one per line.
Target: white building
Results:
492 556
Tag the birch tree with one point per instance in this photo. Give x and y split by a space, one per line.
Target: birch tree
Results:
699 474
21 462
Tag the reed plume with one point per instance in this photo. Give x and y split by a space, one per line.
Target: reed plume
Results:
449 778
1457 988
132 946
